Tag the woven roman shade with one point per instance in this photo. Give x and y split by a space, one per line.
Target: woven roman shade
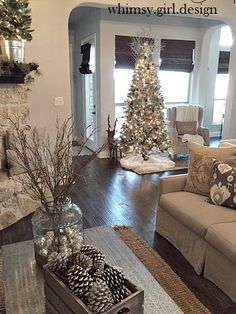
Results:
177 55
123 56
223 66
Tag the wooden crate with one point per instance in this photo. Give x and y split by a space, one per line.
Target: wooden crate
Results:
60 300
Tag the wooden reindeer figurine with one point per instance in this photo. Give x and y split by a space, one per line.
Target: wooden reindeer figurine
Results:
112 144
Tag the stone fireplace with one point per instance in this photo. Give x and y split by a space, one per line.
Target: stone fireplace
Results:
14 203
13 100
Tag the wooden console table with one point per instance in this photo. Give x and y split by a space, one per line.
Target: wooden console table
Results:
23 281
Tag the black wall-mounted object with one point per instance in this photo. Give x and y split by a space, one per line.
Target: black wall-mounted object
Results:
85 51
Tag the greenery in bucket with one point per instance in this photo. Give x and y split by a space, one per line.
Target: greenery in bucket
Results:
15 19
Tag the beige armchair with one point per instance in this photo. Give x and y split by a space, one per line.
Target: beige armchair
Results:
178 146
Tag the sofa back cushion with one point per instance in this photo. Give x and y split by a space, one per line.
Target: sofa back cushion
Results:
186 127
201 166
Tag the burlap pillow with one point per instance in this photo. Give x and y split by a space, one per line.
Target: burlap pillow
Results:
201 166
186 127
223 184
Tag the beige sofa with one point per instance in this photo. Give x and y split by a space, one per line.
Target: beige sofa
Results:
204 233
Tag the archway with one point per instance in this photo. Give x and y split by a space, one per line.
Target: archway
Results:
85 21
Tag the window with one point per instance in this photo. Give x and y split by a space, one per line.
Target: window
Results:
174 75
119 114
226 38
176 65
221 88
174 86
123 78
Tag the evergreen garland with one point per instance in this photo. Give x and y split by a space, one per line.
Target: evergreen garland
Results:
15 69
15 19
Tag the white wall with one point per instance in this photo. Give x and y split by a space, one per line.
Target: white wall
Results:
50 48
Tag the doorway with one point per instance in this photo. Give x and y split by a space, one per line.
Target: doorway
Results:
89 96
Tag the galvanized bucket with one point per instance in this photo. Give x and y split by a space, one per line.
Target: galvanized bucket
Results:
12 49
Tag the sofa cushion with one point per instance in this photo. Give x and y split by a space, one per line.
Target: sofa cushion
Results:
201 166
195 212
223 238
223 186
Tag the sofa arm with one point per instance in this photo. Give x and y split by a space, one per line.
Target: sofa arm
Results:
175 183
204 132
231 141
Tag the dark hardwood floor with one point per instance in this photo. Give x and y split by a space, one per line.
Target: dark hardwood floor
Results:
112 196
109 195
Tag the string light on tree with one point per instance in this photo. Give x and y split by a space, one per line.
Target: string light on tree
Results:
144 126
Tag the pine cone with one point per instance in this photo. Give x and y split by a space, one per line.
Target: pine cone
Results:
99 298
113 277
96 255
120 294
79 281
89 250
80 259
98 261
57 263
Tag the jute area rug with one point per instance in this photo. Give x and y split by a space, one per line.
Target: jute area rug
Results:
161 271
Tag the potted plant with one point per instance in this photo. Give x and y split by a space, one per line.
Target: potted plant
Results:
48 175
15 28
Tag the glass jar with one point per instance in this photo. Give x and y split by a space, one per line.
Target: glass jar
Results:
56 229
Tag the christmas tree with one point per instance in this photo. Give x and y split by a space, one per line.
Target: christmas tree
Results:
15 19
144 126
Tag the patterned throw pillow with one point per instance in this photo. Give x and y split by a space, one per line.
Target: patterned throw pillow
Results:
201 166
223 188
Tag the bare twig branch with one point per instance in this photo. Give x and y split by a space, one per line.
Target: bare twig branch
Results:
48 166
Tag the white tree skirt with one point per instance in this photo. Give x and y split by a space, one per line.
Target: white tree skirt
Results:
155 163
